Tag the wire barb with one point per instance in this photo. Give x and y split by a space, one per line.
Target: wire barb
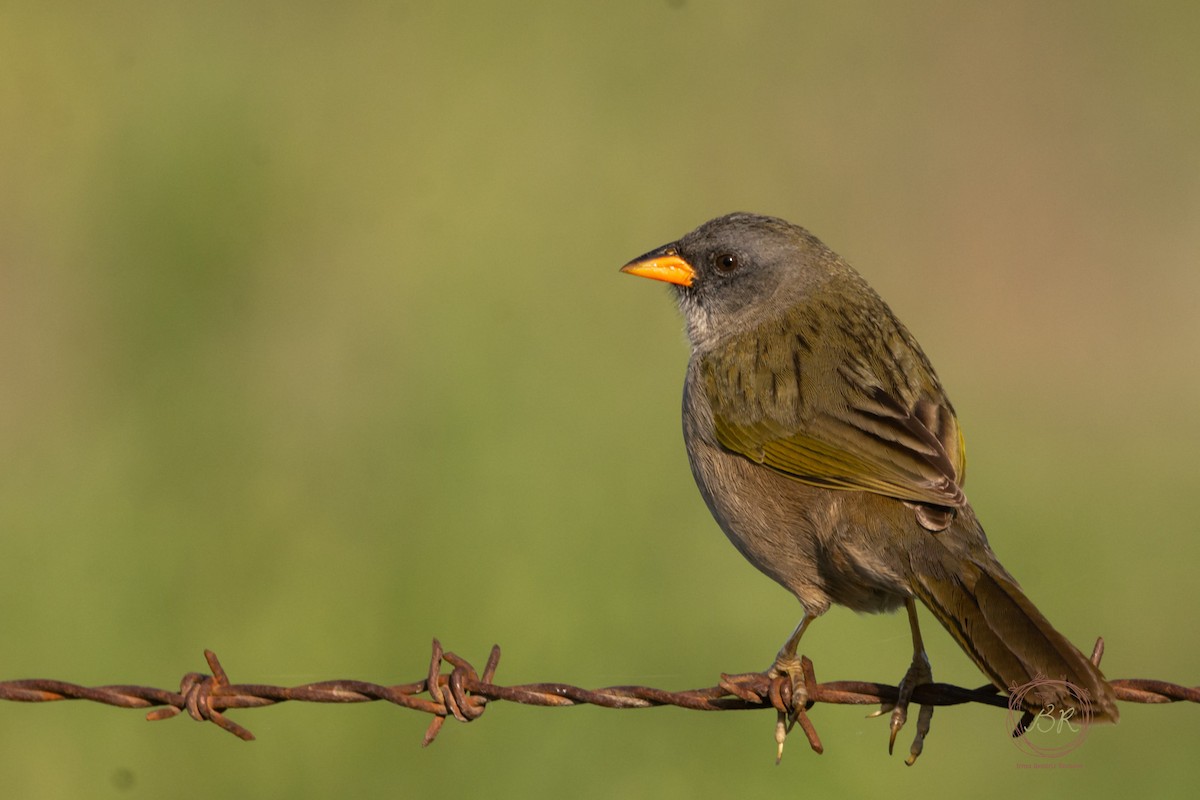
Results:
464 694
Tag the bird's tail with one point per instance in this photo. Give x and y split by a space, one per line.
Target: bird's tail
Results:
1006 636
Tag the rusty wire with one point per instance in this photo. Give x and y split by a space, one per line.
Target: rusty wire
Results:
463 693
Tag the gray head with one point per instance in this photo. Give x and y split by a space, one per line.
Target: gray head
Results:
737 271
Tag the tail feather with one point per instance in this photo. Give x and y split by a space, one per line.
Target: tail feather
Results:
1010 640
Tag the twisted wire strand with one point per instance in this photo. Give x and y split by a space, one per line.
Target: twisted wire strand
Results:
463 693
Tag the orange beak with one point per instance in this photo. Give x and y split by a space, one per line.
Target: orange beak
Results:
662 265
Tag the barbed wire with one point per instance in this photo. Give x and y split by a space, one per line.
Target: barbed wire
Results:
463 693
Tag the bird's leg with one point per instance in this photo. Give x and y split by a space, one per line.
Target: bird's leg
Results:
787 664
919 672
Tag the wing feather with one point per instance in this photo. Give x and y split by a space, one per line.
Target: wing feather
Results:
888 430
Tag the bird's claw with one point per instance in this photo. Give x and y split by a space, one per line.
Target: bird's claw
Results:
919 672
789 667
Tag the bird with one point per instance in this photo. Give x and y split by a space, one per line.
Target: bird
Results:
827 450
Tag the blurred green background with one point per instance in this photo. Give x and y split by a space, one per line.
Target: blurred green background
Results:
313 347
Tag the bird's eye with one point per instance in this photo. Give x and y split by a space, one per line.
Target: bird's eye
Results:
727 262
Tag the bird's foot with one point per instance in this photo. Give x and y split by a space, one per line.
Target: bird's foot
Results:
918 673
790 667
